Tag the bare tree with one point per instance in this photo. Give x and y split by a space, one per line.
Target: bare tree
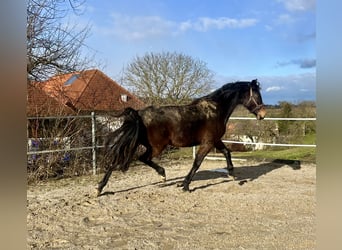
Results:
53 46
167 78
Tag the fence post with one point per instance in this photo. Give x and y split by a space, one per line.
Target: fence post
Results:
93 141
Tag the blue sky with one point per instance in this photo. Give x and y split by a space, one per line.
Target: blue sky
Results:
271 40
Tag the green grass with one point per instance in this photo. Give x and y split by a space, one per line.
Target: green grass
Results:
284 153
295 153
178 154
309 139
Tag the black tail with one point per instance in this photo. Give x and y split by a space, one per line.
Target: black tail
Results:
122 143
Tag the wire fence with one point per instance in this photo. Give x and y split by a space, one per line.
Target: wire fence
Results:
273 144
96 145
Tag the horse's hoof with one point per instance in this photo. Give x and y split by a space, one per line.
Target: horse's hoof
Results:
186 188
98 193
230 175
163 178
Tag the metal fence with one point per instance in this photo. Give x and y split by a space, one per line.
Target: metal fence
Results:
263 143
94 146
273 144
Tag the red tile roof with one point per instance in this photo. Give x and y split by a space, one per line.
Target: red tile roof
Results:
40 103
90 90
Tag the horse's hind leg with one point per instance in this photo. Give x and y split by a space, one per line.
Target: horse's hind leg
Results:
104 180
160 170
226 152
147 159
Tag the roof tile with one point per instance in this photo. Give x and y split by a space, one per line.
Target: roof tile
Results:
89 90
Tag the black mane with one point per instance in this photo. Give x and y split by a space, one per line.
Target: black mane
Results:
228 89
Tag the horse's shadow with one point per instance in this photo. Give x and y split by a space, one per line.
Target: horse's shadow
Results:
251 173
242 174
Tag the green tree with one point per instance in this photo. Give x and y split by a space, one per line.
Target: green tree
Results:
286 112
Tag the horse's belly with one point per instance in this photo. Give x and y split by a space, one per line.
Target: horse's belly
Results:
185 139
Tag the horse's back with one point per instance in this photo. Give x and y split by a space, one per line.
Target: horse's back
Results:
180 126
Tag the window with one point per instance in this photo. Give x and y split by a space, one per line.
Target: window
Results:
71 79
124 98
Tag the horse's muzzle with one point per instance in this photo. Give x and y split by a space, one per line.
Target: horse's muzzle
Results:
261 113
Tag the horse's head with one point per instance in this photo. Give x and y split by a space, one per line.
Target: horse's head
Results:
252 100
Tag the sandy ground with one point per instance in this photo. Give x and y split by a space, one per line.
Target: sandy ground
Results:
270 205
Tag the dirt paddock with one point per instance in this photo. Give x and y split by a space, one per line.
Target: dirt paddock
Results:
269 205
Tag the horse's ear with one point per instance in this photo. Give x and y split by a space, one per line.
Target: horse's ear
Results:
255 83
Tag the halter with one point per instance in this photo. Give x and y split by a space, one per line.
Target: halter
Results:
252 99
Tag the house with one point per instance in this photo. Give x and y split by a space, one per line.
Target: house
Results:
39 103
72 94
79 92
90 90
235 134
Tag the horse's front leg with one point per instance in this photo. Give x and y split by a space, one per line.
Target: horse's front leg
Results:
219 145
201 153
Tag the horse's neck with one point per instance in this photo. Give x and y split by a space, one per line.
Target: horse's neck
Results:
228 105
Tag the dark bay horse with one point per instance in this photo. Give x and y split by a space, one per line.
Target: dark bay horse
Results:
202 122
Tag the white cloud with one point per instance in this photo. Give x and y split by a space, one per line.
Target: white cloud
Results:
206 23
284 19
274 88
304 63
268 27
141 27
292 88
306 37
184 26
299 5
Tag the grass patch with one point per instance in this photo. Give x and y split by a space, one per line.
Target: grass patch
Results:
178 153
309 139
285 153
293 153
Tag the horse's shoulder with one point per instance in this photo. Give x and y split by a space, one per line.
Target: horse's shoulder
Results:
206 105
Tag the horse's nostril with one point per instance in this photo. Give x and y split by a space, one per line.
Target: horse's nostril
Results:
261 114
259 117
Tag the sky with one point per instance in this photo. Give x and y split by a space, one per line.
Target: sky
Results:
269 40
